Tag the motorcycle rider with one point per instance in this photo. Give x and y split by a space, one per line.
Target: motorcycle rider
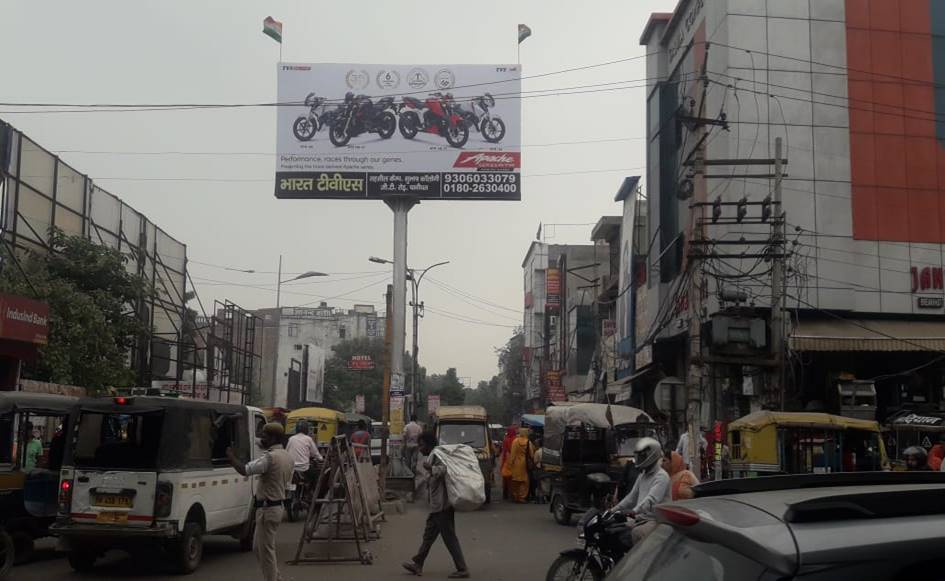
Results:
917 459
302 449
651 488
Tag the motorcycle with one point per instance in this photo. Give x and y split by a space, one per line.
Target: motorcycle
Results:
492 127
600 548
306 126
360 115
300 494
437 115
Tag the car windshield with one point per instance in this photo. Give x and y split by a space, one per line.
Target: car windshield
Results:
666 555
112 440
470 434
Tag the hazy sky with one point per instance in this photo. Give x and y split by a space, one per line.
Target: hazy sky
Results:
187 51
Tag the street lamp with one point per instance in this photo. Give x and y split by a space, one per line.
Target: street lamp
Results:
415 276
279 281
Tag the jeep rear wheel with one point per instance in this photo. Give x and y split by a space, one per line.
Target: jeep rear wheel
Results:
82 560
188 549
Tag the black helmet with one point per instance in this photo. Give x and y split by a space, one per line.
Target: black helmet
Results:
349 96
648 452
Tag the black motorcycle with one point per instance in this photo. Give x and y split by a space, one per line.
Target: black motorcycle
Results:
601 546
480 118
360 115
306 126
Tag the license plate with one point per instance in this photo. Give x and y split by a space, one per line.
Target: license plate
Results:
112 518
112 501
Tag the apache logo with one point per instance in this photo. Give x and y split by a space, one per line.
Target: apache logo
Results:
487 160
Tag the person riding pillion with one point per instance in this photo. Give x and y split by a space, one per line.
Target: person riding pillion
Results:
651 488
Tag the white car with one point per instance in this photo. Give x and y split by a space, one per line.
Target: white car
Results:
151 473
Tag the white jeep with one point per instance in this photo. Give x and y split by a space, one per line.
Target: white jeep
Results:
151 473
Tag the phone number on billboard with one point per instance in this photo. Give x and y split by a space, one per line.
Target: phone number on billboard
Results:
480 183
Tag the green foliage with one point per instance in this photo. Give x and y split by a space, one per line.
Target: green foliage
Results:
448 387
343 384
90 293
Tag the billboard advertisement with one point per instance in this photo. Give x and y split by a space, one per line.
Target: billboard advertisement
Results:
552 289
359 131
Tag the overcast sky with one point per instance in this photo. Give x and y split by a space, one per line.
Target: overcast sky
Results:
186 51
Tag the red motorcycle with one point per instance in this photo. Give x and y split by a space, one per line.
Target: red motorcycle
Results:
437 115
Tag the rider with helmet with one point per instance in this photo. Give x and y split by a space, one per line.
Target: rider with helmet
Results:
651 488
917 459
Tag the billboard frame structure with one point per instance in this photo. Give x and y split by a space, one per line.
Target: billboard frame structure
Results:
38 191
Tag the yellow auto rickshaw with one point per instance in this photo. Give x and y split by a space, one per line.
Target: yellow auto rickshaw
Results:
768 443
468 424
326 423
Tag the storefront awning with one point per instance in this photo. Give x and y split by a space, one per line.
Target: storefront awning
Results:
868 335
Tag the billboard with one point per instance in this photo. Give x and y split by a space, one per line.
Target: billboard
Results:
553 289
359 131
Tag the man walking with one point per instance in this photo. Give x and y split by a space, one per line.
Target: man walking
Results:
442 517
275 473
411 436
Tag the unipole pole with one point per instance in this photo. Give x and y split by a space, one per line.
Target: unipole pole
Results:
400 208
413 381
279 282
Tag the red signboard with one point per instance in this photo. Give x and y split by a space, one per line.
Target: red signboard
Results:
556 391
553 289
361 362
23 319
927 278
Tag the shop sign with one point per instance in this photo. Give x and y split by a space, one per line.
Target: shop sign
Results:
360 363
930 302
359 404
553 289
927 278
23 319
556 391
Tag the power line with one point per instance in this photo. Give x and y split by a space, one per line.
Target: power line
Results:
472 296
465 319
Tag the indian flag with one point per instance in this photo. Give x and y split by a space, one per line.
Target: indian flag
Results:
273 28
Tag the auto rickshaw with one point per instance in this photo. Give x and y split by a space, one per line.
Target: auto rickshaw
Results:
33 431
909 428
587 447
468 424
326 423
768 443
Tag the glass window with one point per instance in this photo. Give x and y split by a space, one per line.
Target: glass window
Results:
668 556
293 330
112 440
473 435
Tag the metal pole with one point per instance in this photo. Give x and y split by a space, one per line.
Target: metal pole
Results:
777 281
385 391
413 372
279 283
399 326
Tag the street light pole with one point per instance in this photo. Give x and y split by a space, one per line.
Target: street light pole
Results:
279 280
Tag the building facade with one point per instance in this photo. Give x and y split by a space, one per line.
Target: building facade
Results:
296 342
849 263
561 283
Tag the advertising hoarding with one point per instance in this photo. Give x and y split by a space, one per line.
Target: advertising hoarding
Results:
556 392
369 131
360 363
552 289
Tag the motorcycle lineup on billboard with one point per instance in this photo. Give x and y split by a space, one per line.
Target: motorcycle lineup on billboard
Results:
378 131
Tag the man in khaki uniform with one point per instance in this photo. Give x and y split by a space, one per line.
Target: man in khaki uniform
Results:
275 474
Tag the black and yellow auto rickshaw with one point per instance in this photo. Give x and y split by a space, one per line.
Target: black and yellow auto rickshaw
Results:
770 443
585 452
911 428
33 431
469 424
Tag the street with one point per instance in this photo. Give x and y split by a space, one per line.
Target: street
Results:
502 542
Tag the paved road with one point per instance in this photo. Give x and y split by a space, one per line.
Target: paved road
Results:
504 542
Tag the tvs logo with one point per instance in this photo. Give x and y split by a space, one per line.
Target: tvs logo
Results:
488 160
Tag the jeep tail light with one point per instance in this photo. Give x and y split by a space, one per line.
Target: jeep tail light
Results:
162 500
677 515
65 496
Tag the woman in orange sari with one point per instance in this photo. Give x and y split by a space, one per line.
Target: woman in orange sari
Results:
506 450
681 479
516 467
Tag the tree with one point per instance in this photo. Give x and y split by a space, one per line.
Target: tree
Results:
489 395
92 298
448 387
343 385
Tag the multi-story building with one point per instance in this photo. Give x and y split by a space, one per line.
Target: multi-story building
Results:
560 286
851 91
296 342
